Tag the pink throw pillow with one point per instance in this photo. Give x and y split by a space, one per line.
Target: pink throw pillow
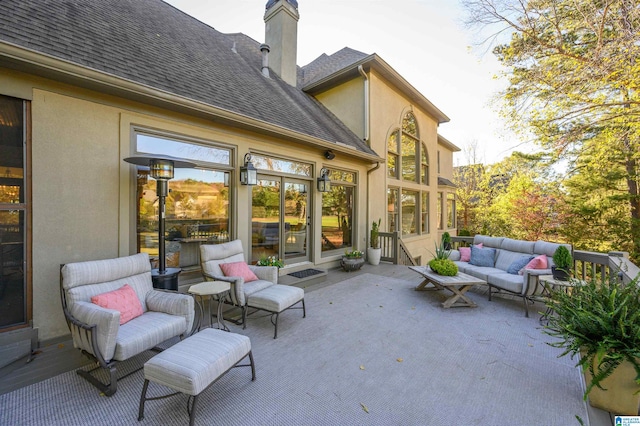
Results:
539 262
238 269
465 253
123 299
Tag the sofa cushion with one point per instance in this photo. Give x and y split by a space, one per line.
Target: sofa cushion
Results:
124 300
484 256
518 264
504 259
519 246
547 248
505 281
238 269
494 242
483 272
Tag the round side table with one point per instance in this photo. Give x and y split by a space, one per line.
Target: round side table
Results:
220 290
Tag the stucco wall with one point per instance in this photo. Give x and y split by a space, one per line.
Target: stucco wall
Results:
347 102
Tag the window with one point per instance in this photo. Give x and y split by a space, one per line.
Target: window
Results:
338 211
439 212
409 212
392 155
451 210
392 209
424 211
438 162
14 212
424 165
198 208
403 146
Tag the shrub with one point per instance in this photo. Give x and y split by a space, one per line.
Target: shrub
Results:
444 267
562 258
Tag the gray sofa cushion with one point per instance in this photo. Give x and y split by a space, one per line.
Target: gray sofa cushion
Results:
483 272
486 241
518 245
485 256
505 281
518 264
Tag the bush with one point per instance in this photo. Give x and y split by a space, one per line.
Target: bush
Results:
563 259
444 267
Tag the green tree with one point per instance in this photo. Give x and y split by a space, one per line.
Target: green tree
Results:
574 71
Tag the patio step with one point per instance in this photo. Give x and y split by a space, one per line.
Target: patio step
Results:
304 277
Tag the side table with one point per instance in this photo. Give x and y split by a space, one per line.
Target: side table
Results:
219 289
548 285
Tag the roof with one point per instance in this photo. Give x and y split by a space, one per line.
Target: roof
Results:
154 45
328 71
445 182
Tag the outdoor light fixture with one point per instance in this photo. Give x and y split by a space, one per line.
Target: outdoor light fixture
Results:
248 173
161 169
324 184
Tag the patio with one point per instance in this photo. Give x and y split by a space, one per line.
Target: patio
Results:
371 351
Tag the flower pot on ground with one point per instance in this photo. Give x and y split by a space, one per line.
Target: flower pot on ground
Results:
374 252
352 260
601 323
563 262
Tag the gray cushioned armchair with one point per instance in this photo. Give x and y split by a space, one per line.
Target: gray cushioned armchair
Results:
97 331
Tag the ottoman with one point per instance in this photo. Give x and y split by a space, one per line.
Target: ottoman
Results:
194 364
276 299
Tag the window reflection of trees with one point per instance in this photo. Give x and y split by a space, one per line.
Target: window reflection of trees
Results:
338 211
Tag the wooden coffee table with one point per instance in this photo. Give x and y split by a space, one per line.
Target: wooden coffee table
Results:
458 285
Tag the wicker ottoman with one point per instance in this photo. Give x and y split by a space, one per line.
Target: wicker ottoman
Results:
194 364
276 299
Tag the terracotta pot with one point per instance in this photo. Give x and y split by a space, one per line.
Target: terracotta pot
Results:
618 398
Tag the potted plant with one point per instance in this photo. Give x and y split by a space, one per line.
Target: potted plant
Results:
374 251
563 262
600 322
352 260
270 261
441 264
446 240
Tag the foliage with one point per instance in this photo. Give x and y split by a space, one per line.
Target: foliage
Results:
270 261
441 252
562 258
375 230
353 254
446 238
602 322
573 69
444 267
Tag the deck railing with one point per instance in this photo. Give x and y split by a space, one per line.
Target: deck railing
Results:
394 250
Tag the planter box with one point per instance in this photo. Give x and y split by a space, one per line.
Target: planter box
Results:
618 398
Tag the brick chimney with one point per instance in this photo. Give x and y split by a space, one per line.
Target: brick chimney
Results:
281 35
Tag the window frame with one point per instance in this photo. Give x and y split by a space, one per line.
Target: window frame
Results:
336 175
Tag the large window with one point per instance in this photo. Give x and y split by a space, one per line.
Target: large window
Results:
440 209
451 210
198 208
409 212
424 165
393 209
338 211
424 211
13 213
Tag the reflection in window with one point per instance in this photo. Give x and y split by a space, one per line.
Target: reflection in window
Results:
424 211
265 219
424 165
197 209
451 210
409 212
393 210
408 158
338 213
392 155
439 211
273 164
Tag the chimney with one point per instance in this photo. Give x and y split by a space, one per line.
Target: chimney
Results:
281 35
264 48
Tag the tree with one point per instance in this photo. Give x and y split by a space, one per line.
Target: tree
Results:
574 71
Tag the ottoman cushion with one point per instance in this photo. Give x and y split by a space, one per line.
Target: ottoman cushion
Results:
276 298
194 363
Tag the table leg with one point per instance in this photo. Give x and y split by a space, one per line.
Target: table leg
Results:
458 293
424 286
221 324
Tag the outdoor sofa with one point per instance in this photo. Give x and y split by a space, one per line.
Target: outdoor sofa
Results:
501 262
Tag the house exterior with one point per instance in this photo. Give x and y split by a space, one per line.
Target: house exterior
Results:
86 84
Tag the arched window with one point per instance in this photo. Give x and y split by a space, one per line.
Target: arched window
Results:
424 165
409 147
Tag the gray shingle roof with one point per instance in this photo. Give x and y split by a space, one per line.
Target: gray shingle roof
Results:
152 43
325 65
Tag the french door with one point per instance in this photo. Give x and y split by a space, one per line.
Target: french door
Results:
280 219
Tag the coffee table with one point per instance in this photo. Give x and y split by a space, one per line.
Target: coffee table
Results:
458 285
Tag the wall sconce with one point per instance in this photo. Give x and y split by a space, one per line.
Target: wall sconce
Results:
161 169
324 184
329 155
248 173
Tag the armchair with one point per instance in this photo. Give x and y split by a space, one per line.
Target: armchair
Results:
262 294
97 331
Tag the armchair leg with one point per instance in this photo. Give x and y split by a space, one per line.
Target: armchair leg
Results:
244 317
108 389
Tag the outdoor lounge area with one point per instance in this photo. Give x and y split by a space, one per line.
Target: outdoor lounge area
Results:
372 350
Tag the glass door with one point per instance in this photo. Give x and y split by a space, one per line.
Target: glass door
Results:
279 219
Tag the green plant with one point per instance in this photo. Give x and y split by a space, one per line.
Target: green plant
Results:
601 321
441 252
375 230
270 261
562 258
444 267
446 238
353 254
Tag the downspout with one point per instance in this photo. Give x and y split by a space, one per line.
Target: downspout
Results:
377 166
366 104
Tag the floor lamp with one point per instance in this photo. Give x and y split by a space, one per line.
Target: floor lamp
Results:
161 169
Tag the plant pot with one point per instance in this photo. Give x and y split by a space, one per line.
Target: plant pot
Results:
351 263
618 398
560 274
373 255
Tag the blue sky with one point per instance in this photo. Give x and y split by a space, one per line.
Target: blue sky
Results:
423 40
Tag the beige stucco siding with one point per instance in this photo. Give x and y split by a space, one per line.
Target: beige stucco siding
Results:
347 102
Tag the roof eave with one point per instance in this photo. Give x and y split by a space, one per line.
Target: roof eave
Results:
447 144
377 63
47 66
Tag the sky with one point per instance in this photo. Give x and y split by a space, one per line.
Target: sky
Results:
425 41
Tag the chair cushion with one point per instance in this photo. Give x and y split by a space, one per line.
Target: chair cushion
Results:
238 269
276 298
482 256
124 300
518 264
146 331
